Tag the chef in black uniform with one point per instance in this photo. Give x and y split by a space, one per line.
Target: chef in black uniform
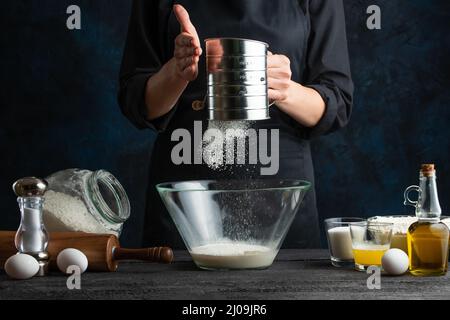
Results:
163 73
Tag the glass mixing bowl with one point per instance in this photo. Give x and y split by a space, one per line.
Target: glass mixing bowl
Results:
233 224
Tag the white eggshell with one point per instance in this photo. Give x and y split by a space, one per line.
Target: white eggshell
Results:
395 262
71 257
21 266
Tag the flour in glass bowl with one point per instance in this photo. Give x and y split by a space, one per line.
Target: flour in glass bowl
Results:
233 255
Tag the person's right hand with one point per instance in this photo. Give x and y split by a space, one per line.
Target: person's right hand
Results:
187 46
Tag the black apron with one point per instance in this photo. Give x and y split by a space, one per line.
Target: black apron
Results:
281 24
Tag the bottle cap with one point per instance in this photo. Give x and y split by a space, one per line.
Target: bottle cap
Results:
427 170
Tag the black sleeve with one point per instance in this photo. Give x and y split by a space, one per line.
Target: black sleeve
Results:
142 58
327 64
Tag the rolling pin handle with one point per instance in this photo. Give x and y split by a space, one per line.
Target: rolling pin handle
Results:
155 254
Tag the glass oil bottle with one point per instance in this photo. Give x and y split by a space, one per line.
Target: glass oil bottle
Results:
428 238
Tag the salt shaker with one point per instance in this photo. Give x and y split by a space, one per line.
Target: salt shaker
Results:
32 237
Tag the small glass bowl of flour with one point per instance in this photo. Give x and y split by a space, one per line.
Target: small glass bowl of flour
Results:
399 230
85 201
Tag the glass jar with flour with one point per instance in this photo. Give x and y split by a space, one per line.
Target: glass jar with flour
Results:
85 201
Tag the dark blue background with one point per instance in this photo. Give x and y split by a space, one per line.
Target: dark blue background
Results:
59 110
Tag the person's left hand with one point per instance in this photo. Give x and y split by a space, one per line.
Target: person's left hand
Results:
278 76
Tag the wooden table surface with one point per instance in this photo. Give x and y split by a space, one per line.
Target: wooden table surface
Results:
296 274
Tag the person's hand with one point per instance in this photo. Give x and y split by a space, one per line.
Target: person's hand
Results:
279 77
187 46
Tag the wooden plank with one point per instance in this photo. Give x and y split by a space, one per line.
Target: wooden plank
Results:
296 275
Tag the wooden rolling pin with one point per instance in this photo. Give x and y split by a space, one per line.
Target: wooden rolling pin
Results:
102 251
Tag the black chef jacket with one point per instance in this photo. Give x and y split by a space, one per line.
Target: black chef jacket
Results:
310 32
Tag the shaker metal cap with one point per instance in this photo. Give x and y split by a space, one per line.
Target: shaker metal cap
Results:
30 187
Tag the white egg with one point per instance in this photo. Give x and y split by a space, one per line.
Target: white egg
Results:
21 266
395 262
71 257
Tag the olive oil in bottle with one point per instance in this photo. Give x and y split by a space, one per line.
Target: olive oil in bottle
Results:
428 238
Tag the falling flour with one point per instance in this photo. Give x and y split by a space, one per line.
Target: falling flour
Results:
215 155
63 212
233 255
